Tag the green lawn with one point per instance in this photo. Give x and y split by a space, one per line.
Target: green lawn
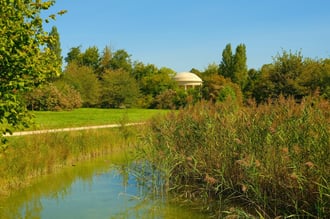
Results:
91 116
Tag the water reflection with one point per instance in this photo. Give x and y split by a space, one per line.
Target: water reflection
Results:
94 190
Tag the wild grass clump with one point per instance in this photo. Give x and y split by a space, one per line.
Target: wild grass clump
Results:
268 161
28 157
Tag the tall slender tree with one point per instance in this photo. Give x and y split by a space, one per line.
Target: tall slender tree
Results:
55 46
234 66
226 64
239 66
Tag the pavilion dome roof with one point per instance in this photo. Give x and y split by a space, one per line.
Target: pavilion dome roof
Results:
187 77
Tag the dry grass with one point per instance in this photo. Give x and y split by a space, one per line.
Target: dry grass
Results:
269 160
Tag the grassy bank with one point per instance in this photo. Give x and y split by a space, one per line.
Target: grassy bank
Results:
267 161
28 157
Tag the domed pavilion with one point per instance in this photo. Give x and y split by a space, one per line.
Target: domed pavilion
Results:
188 80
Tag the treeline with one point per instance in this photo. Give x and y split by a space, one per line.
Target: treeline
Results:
107 79
290 75
110 79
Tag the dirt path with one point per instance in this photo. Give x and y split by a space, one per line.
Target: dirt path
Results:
70 129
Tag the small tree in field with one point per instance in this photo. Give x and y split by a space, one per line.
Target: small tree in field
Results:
25 59
119 89
85 81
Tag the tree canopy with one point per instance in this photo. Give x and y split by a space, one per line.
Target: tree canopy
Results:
26 61
291 74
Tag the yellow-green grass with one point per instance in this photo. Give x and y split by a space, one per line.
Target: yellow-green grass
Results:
91 116
28 157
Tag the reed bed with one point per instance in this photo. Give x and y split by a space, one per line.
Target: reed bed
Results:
29 157
265 161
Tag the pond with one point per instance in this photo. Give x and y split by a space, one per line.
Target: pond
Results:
102 189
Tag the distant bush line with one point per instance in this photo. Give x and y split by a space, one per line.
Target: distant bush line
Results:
113 80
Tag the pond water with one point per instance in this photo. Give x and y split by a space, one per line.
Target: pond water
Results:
100 189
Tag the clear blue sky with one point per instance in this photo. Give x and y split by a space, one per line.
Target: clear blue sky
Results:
185 34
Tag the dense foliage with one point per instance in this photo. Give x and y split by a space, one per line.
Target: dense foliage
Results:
292 75
269 161
26 61
234 66
112 79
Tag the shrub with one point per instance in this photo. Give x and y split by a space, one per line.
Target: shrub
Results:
165 100
53 99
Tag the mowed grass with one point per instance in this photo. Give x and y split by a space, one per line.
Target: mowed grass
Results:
91 116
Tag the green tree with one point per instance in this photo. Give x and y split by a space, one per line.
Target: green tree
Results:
141 71
210 70
263 87
74 55
105 61
282 77
226 64
315 77
155 86
252 79
55 46
156 81
91 57
239 66
218 88
234 66
119 89
287 68
25 59
85 81
121 60
196 71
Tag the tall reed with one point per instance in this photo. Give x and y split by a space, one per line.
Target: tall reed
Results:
268 161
